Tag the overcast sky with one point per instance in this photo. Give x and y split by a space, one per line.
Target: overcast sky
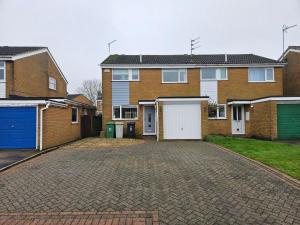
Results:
77 31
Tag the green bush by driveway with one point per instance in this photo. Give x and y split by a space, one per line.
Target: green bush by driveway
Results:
284 157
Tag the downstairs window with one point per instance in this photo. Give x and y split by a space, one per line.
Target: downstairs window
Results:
217 111
125 112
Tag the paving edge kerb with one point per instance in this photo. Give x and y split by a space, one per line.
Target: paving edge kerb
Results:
282 176
28 158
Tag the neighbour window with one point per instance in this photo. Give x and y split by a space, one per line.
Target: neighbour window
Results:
214 74
74 115
2 71
174 76
124 112
261 74
217 111
52 83
126 75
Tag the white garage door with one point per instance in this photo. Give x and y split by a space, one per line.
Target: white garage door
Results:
182 121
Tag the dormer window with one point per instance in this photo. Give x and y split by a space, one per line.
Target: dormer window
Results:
52 83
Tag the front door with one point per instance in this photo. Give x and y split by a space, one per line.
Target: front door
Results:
149 120
238 119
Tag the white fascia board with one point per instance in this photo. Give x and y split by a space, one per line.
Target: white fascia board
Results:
180 66
4 103
181 99
264 100
27 54
276 99
147 103
287 52
239 103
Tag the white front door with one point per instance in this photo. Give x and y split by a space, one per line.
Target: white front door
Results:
238 119
182 121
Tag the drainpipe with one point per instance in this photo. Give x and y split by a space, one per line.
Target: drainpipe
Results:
41 125
157 118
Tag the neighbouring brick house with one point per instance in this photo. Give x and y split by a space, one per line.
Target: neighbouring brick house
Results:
191 96
291 81
34 109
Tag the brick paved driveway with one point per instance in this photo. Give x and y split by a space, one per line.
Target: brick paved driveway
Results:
186 182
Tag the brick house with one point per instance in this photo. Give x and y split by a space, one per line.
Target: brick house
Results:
291 81
34 110
189 97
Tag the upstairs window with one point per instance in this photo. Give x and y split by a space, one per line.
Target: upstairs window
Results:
174 76
214 74
2 71
261 75
125 112
125 75
52 83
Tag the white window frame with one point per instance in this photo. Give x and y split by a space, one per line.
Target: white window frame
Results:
178 76
218 117
262 81
218 73
52 81
74 122
129 75
125 106
4 69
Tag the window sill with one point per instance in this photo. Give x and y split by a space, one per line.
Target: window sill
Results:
262 81
75 122
174 82
125 80
125 119
217 118
52 89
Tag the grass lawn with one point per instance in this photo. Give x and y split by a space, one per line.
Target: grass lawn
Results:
284 157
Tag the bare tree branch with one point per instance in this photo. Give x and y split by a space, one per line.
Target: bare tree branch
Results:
91 89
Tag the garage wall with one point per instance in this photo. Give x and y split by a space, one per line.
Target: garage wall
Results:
58 128
263 117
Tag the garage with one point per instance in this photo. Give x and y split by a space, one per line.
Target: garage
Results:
288 121
18 127
182 120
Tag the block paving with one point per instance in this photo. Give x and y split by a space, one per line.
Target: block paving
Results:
185 182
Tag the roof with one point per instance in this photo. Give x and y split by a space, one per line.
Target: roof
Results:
72 96
13 51
17 52
289 49
232 59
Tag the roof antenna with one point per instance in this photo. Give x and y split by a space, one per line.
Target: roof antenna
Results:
194 44
109 44
284 30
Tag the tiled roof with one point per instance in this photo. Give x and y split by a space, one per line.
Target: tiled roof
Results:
12 51
72 96
294 47
188 59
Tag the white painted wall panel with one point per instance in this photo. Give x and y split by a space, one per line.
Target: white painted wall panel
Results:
2 90
209 88
182 121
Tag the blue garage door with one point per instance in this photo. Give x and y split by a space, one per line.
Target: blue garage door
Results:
17 127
